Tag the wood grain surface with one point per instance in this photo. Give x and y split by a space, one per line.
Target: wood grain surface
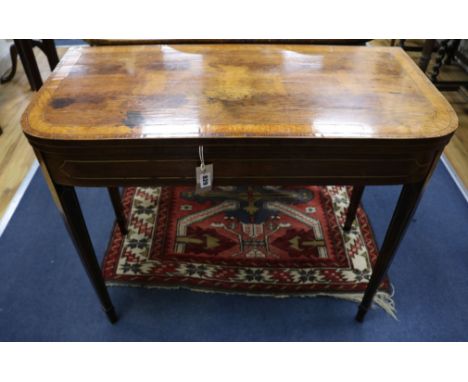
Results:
232 91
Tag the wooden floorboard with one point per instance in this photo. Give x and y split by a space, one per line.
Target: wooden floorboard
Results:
16 155
457 150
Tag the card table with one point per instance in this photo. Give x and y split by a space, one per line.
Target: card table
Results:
264 114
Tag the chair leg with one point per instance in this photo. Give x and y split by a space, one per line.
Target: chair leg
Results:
452 51
353 206
441 53
10 73
426 54
25 50
118 209
26 54
50 51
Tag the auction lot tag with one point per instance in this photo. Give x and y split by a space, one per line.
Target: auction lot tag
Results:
203 174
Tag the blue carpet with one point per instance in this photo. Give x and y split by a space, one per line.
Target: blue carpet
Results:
45 295
59 42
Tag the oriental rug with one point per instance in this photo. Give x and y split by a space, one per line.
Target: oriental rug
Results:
269 241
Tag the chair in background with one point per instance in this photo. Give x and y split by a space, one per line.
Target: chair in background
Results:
447 52
24 49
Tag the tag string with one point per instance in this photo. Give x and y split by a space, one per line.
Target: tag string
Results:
202 158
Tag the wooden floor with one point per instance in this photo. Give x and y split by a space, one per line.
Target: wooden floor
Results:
457 150
16 156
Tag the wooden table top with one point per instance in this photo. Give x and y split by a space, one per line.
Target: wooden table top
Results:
231 91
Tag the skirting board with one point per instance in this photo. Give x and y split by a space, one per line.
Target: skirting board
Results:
455 177
5 219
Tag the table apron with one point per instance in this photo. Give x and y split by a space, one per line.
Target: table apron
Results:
136 169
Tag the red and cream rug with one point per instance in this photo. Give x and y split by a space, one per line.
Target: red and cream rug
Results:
275 241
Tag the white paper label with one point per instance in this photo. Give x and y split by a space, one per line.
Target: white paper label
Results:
204 178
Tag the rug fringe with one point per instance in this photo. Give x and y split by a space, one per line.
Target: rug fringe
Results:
382 299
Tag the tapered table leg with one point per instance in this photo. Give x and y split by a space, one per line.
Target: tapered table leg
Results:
118 209
407 203
356 196
67 202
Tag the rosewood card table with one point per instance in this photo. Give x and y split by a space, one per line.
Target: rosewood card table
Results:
264 114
